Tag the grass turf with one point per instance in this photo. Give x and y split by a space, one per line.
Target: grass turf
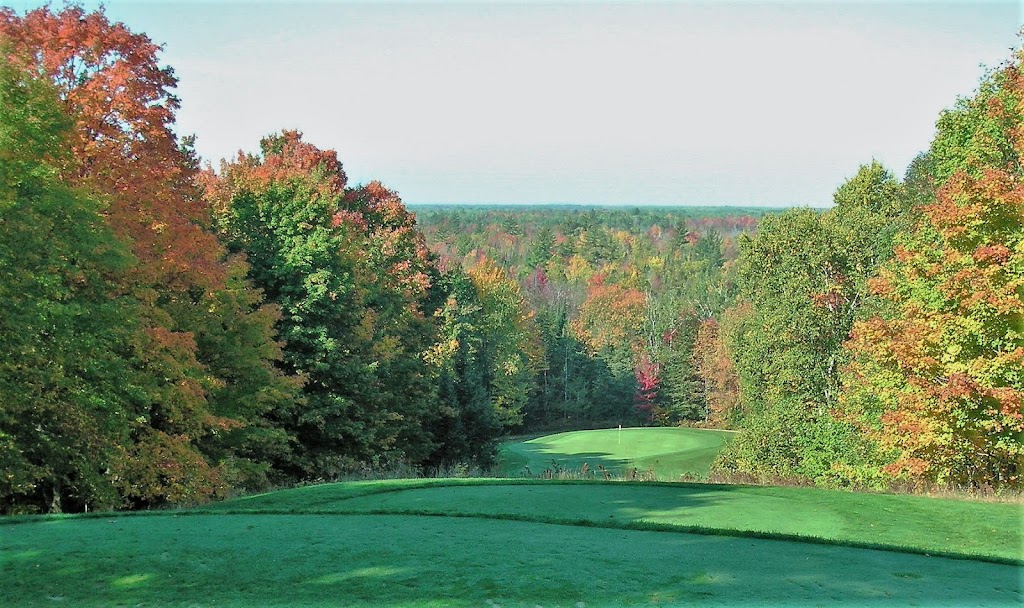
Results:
386 560
986 530
670 452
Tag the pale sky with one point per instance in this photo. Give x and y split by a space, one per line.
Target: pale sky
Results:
741 103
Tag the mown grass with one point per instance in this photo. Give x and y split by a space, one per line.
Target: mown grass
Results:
668 452
385 560
530 542
918 524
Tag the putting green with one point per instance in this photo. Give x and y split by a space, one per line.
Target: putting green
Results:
669 452
419 562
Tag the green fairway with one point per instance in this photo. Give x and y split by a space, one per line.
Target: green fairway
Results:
670 452
487 543
521 543
352 560
913 523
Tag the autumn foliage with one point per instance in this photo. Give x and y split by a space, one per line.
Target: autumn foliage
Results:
204 346
937 381
714 365
201 331
172 334
612 317
120 99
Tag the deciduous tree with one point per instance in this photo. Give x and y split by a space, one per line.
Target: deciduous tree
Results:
351 276
69 381
195 304
938 375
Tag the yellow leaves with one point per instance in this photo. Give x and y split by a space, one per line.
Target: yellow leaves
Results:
951 353
612 316
439 354
367 326
623 238
951 350
578 270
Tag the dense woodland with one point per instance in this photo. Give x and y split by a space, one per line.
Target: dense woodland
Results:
624 304
172 332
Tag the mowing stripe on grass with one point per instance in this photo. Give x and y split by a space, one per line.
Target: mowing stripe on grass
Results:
972 529
649 526
386 561
910 524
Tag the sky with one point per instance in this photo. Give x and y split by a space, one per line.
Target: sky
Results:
724 103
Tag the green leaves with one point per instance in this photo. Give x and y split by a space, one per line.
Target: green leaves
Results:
936 377
806 274
351 277
67 363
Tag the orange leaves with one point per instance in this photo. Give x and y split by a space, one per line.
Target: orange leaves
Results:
832 300
880 286
902 254
914 468
715 367
286 158
401 248
164 468
970 210
122 146
352 219
958 386
204 333
108 76
992 254
96 64
939 379
612 316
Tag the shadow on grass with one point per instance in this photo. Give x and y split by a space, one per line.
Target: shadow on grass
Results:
905 524
541 458
413 561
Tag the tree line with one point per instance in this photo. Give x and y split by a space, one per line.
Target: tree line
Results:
625 303
875 344
171 333
882 343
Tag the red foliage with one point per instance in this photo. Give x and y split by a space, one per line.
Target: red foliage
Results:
715 367
648 379
288 158
538 280
402 250
120 98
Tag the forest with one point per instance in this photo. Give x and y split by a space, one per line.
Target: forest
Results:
174 331
624 304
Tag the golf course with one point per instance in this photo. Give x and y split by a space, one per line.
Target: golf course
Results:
511 304
667 452
527 542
